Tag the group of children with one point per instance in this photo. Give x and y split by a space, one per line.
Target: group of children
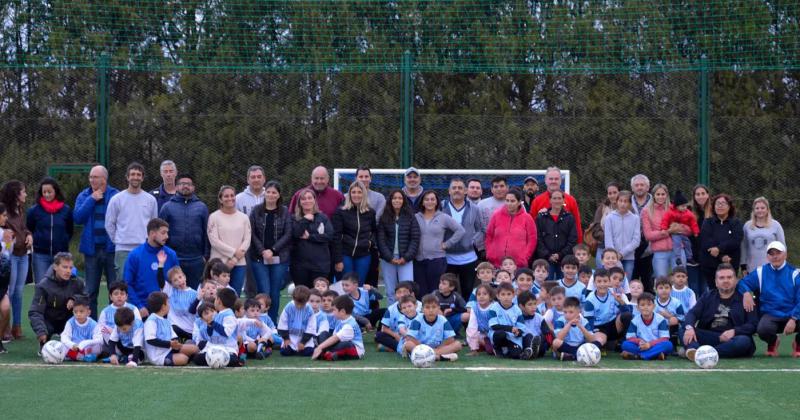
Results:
517 316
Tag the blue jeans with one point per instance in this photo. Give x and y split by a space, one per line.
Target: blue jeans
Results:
19 273
455 322
100 262
651 353
193 269
662 263
738 346
555 271
627 265
269 279
598 258
237 278
394 274
41 263
358 264
682 243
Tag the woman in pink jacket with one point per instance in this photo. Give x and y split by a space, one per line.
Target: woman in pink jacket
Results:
511 232
660 240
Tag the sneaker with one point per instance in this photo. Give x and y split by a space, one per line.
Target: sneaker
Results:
7 338
630 356
772 351
564 356
39 353
3 349
795 349
690 354
258 355
536 346
527 354
90 358
449 357
681 352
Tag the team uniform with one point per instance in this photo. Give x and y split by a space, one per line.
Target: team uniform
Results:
201 334
602 312
574 337
276 338
351 343
433 334
179 314
501 322
105 322
390 320
403 324
158 334
655 332
535 325
624 287
361 307
297 326
323 328
223 331
478 330
686 296
673 306
84 338
250 332
577 290
127 344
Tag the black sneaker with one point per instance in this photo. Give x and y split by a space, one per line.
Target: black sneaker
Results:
536 346
527 354
3 349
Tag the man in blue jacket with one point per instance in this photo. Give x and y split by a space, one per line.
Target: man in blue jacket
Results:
187 217
777 285
96 246
141 267
719 320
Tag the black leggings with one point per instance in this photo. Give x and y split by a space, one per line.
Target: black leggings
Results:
387 340
504 347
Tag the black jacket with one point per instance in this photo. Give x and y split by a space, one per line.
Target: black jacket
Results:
354 233
407 238
555 237
727 236
701 316
50 302
282 245
313 253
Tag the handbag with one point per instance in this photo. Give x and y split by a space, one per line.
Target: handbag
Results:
593 236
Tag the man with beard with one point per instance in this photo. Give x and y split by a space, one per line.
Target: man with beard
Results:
328 199
143 265
461 258
531 188
474 190
127 216
187 217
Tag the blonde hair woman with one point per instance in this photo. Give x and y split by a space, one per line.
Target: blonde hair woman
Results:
354 230
312 234
759 231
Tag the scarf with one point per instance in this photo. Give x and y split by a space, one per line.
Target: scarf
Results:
51 207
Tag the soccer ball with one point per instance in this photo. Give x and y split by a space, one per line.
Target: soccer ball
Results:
290 289
588 355
54 352
217 357
423 356
706 357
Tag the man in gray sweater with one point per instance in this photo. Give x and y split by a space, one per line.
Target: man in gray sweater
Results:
127 216
461 258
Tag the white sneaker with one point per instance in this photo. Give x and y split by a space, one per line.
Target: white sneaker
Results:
448 357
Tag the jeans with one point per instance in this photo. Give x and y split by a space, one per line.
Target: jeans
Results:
738 346
95 265
119 263
358 264
269 279
696 281
662 263
651 353
237 278
627 265
427 273
19 273
598 258
393 274
193 269
555 271
41 263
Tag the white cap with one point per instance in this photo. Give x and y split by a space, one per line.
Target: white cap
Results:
776 245
411 170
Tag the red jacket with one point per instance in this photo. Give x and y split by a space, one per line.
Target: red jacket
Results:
542 201
513 236
686 218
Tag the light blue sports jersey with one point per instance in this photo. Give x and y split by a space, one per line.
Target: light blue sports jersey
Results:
541 308
673 306
107 314
179 303
575 335
266 320
322 322
227 319
482 316
132 338
536 289
298 321
686 296
657 328
432 334
510 317
200 331
576 290
361 307
599 311
82 332
357 339
533 324
404 322
393 315
331 319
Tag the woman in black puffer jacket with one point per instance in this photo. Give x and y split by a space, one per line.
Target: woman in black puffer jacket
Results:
312 234
354 233
398 241
557 234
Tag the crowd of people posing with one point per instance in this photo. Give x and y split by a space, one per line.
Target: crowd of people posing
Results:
509 274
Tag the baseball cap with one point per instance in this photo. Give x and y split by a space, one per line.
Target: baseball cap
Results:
411 170
776 245
530 178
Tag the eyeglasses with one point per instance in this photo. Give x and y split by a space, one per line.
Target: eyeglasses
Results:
188 184
721 204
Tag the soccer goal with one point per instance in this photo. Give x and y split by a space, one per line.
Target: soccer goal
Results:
384 180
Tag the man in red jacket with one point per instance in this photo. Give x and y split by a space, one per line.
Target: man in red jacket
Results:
552 180
328 199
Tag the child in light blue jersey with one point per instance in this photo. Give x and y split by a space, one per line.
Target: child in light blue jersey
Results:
79 333
670 308
255 334
181 299
478 330
265 301
510 338
432 329
323 328
571 331
410 311
118 295
125 343
606 311
680 289
485 275
388 337
364 312
534 324
648 334
541 272
572 286
160 341
224 328
346 343
204 325
298 325
327 308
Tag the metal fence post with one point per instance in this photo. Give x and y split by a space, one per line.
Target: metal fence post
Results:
407 113
703 128
102 148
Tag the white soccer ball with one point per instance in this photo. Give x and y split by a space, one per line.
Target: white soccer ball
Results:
706 357
217 357
290 289
588 355
54 352
423 356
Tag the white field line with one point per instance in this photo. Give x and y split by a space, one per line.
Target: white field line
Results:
478 369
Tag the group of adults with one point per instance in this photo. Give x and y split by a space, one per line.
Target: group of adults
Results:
408 234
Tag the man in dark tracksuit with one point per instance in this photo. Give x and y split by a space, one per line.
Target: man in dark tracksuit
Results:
52 301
